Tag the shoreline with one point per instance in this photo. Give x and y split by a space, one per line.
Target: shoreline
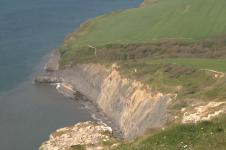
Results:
51 75
51 68
13 97
99 115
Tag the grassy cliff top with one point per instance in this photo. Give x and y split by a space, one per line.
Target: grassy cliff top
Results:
165 19
180 37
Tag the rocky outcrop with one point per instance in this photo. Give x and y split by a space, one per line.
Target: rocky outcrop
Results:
52 64
47 79
88 135
132 106
66 89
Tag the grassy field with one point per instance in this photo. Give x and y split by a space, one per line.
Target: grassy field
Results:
202 136
167 19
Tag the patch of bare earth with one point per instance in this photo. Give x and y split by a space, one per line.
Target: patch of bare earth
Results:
203 112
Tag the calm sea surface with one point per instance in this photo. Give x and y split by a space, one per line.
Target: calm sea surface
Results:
29 30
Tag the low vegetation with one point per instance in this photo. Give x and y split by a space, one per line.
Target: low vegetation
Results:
197 63
201 136
78 147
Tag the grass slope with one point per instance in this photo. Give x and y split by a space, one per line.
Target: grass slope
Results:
177 19
202 136
189 20
204 63
173 19
171 76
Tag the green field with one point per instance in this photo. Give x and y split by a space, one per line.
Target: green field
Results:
187 20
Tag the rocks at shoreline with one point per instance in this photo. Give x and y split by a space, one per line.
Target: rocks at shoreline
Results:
66 89
51 69
47 79
52 64
88 135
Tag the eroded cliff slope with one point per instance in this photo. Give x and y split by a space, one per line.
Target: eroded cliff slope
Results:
131 105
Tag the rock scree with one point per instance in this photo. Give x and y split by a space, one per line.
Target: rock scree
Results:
88 135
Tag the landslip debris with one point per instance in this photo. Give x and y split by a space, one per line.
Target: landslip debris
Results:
88 134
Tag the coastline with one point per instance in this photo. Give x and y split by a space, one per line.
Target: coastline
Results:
87 79
51 69
40 108
19 104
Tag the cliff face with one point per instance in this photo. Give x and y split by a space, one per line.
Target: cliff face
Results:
131 105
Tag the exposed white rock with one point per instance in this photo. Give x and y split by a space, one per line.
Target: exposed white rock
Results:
215 74
115 145
203 112
66 89
87 133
